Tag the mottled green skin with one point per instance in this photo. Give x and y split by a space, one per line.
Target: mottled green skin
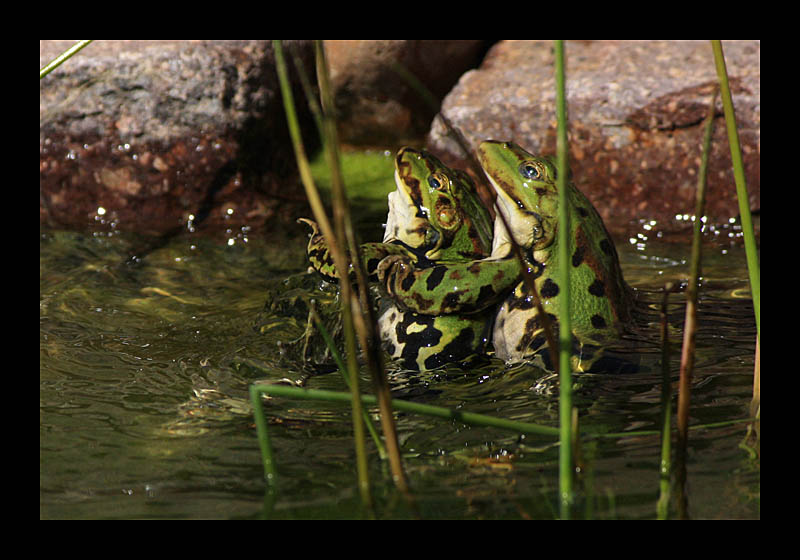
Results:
527 197
435 214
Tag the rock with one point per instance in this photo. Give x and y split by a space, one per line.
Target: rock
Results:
635 122
376 104
150 136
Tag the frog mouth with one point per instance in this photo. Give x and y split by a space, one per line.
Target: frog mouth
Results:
511 213
404 223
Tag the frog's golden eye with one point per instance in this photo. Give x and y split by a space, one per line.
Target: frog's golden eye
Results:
437 181
531 170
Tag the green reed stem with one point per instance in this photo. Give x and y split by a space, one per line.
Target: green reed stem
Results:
565 459
665 467
690 322
463 416
751 251
341 262
63 57
264 443
460 415
470 418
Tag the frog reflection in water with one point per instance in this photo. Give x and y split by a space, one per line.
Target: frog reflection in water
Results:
435 216
528 199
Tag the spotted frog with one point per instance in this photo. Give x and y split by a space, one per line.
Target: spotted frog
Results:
435 216
528 199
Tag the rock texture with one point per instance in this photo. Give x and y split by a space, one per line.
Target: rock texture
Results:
376 102
635 121
151 136
155 136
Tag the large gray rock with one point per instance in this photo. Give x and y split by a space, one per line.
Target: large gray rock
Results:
154 133
635 121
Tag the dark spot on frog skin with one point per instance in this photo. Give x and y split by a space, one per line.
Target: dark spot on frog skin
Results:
528 341
607 247
372 265
598 288
549 289
456 350
407 282
414 339
422 303
598 322
577 256
451 301
471 255
434 278
417 332
521 303
534 338
485 295
582 211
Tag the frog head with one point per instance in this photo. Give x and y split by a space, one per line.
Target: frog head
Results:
526 194
436 211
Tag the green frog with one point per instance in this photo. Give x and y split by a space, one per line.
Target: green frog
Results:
435 216
527 198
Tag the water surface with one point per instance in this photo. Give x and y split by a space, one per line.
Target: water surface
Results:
144 410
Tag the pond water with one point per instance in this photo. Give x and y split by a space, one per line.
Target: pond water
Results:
146 357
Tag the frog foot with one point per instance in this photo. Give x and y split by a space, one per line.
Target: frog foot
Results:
310 223
392 270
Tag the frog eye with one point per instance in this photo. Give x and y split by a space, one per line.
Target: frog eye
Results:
437 181
530 170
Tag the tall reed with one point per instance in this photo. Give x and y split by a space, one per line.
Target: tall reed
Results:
665 466
751 251
690 322
341 261
565 459
357 310
363 316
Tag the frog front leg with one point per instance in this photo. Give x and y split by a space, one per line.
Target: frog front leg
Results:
321 259
448 287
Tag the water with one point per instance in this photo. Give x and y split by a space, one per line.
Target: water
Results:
144 410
